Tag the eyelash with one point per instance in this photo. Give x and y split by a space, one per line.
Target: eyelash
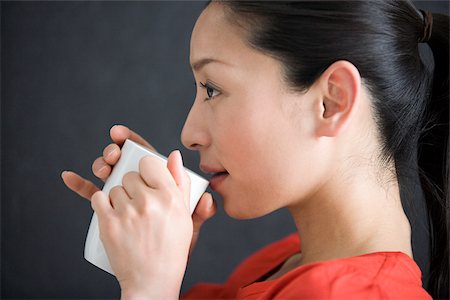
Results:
211 91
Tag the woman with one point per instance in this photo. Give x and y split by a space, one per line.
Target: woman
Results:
317 107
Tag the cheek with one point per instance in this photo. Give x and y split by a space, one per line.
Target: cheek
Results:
269 150
267 159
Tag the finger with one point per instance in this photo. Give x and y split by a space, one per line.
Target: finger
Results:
179 174
206 208
111 154
100 204
155 174
134 185
79 185
120 133
101 169
119 197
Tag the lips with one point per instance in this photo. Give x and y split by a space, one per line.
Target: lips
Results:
216 180
217 175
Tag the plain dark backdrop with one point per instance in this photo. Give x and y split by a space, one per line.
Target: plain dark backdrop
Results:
69 71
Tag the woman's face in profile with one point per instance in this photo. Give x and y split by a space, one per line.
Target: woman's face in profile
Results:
247 123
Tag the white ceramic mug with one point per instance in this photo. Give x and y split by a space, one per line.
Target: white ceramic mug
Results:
132 153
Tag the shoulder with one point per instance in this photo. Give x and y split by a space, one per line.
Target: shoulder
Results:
377 275
264 261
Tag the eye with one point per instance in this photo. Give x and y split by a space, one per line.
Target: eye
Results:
210 90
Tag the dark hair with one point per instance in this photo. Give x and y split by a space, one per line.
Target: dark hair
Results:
411 103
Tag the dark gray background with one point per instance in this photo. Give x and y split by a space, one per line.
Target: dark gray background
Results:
69 71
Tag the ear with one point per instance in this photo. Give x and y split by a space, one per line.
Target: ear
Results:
339 89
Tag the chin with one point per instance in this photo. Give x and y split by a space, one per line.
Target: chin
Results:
242 213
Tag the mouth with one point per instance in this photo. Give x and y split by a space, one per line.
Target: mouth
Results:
217 176
216 180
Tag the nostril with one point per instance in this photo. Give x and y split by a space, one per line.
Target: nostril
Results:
194 146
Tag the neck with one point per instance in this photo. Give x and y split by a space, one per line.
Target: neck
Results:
352 215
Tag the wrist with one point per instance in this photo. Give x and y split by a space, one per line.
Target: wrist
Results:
136 294
157 290
142 285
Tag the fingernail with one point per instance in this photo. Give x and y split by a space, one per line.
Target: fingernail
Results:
111 152
63 173
101 169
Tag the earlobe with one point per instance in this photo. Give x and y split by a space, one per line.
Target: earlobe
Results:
339 89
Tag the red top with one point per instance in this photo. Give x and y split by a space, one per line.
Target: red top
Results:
379 275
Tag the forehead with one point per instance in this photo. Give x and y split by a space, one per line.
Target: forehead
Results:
215 38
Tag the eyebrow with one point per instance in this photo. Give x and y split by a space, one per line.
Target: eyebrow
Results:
196 66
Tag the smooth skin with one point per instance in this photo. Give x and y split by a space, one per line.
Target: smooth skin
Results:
315 152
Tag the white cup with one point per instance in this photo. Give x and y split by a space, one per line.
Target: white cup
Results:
94 252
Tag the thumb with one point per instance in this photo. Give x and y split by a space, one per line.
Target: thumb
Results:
179 174
206 208
119 133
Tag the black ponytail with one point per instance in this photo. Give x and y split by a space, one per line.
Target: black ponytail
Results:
411 105
434 159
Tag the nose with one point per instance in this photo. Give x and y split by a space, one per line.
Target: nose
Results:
195 135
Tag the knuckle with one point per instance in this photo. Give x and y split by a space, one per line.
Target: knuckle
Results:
144 163
149 209
172 198
94 202
149 205
96 199
147 198
129 212
115 191
130 177
150 162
